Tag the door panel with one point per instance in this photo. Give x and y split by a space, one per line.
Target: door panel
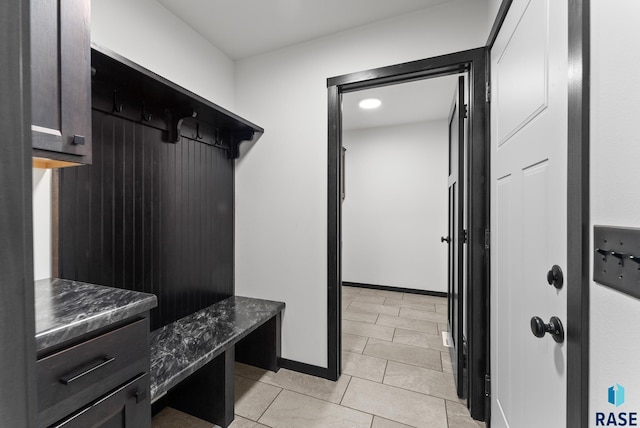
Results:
456 286
529 213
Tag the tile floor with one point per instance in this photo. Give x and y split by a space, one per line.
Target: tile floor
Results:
396 374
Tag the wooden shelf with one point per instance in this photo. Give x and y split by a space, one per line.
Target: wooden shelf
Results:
125 89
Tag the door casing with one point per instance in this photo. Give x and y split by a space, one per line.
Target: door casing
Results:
474 62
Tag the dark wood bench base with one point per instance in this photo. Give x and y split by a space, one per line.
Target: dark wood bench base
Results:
208 394
205 387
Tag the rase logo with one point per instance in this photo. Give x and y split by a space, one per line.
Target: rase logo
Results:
615 397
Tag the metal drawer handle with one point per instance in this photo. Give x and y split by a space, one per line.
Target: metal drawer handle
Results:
85 370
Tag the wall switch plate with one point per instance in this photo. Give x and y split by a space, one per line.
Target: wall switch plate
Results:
616 258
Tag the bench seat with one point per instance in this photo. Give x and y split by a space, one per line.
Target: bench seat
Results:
182 347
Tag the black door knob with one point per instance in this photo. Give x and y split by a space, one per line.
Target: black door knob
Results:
555 277
443 239
539 328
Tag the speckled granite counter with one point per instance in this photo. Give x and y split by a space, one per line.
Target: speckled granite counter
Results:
68 309
184 346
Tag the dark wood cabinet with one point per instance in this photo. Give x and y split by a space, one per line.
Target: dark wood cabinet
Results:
126 407
102 381
61 80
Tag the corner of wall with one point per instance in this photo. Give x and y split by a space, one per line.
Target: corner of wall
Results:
41 223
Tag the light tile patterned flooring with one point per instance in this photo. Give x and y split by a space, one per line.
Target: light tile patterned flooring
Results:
396 374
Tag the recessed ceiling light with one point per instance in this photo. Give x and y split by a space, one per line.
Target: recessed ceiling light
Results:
370 103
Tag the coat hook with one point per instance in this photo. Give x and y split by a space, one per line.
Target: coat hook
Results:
145 116
217 141
198 136
117 107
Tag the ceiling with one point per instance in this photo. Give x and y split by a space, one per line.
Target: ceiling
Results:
418 101
243 28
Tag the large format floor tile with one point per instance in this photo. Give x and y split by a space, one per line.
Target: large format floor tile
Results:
252 397
411 304
379 422
395 404
458 416
355 315
381 293
424 298
293 410
418 379
240 422
309 385
353 343
418 338
377 300
409 323
172 418
374 308
368 330
363 366
414 355
423 315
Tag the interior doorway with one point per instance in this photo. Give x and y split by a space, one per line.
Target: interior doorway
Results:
471 63
404 157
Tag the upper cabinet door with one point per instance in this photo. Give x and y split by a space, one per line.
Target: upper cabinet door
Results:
61 79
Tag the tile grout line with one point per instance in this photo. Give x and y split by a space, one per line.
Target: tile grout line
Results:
267 408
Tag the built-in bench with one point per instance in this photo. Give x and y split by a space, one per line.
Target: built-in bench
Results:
192 359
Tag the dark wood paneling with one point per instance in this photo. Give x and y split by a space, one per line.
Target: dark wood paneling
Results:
17 325
208 393
150 216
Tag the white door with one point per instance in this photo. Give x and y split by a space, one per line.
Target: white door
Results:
528 213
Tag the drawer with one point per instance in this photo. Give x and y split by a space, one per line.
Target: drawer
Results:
126 407
76 376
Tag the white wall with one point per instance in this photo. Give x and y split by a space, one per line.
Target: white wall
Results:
145 32
615 198
396 206
281 182
41 223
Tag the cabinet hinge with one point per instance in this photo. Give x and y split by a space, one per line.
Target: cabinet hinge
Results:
466 236
487 239
487 94
466 111
487 386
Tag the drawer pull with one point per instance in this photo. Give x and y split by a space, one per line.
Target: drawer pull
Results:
83 371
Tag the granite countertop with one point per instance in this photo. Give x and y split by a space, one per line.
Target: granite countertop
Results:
182 347
68 309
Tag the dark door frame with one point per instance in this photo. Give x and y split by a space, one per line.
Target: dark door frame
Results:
17 320
474 62
578 203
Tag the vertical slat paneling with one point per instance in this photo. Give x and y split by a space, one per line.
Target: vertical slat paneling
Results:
96 197
107 188
150 216
128 218
83 221
118 225
67 252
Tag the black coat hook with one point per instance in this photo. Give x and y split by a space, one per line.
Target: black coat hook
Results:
146 116
198 136
117 106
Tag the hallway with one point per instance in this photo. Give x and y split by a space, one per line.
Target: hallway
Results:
396 374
